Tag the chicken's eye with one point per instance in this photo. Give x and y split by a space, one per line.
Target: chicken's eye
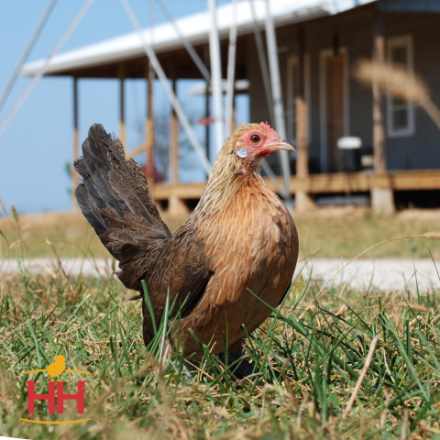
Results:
255 138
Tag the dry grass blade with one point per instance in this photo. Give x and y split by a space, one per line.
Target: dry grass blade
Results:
432 235
387 366
400 83
361 376
403 434
305 370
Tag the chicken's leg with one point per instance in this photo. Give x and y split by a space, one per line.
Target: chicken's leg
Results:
235 352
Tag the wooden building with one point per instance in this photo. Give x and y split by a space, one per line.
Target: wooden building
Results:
318 44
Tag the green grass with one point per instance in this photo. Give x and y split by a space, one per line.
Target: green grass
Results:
67 233
328 233
306 366
307 360
345 233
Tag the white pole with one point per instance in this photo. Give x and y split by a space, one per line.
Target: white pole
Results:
266 81
168 90
276 93
199 63
42 70
268 170
26 52
216 72
262 59
231 71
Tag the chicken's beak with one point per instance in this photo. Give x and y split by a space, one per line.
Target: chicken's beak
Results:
281 146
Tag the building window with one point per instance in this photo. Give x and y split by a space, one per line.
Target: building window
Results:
400 113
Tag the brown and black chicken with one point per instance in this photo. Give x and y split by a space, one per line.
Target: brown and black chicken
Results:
239 239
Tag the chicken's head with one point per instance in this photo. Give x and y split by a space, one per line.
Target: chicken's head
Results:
257 141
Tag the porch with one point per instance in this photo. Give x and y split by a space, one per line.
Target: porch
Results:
178 197
320 100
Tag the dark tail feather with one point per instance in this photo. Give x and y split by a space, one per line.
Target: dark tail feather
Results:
109 180
90 210
115 199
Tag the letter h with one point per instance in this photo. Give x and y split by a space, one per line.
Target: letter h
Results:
32 397
61 397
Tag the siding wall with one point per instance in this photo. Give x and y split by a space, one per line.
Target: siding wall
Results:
422 150
419 151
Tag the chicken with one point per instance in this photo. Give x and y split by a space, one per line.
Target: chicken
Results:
57 367
239 239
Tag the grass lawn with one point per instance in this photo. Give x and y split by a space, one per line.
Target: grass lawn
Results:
326 233
331 363
306 366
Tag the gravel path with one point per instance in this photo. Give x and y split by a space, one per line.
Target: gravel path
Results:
385 274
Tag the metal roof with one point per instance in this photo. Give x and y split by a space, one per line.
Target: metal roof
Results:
410 5
194 27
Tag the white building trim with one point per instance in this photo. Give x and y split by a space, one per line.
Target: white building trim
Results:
406 42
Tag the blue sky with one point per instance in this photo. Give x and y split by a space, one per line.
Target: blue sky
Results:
37 144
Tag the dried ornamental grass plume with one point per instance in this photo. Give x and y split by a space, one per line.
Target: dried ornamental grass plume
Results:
432 235
15 214
394 79
400 83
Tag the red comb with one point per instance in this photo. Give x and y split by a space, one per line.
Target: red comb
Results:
268 128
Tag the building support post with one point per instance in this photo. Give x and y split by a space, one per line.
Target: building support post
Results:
122 105
234 114
75 176
303 201
280 123
216 75
175 205
149 126
382 198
